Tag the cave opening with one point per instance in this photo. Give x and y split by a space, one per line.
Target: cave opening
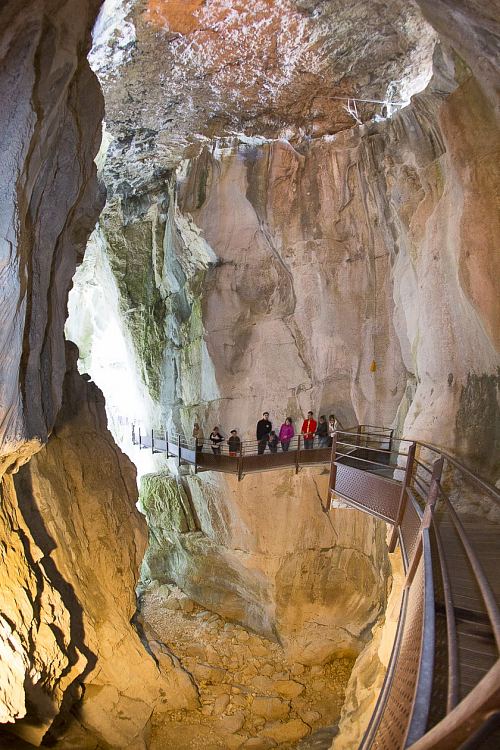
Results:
299 215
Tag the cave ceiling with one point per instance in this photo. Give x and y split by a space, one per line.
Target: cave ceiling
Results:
178 72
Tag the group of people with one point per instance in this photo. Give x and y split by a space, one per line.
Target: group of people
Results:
323 430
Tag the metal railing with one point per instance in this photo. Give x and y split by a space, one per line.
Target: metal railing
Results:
442 686
251 456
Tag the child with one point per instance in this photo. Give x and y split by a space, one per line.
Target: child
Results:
234 443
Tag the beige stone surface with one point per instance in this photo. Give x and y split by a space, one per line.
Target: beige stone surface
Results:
259 743
71 535
50 122
240 707
279 565
263 274
268 68
270 708
283 270
289 731
288 688
369 669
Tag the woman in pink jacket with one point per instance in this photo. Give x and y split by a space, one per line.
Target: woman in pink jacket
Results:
286 433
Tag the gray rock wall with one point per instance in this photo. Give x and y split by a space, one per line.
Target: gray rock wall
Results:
276 275
70 537
51 127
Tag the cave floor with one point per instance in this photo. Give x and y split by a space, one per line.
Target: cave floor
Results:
251 696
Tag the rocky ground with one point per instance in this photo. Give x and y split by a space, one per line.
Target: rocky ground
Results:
251 696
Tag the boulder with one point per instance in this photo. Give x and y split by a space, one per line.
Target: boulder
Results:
231 723
290 731
288 688
270 708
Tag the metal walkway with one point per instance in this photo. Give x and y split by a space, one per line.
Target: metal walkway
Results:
442 687
247 460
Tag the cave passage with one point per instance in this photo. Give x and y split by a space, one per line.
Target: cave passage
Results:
214 210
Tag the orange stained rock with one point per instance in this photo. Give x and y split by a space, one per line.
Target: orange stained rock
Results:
245 48
248 21
176 15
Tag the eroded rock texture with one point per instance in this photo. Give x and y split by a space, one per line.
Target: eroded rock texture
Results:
71 538
269 274
73 542
258 273
270 68
275 275
265 273
265 553
50 122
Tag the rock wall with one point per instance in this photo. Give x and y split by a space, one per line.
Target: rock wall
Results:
265 275
71 538
265 553
75 542
367 677
276 275
51 125
259 275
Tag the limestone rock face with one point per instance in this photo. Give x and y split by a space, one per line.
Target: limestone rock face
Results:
473 29
265 554
276 274
270 274
50 123
70 537
369 669
75 541
269 68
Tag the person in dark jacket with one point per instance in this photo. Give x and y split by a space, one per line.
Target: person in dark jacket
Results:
216 439
234 443
264 427
322 432
273 442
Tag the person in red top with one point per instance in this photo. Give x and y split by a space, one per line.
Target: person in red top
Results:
308 430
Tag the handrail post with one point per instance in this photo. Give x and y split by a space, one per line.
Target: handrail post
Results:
297 456
166 441
152 441
358 437
140 439
333 471
430 502
179 450
391 434
196 455
240 463
437 470
403 497
133 433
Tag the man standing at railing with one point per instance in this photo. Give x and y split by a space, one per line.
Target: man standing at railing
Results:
216 439
308 429
322 432
264 427
234 443
199 437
